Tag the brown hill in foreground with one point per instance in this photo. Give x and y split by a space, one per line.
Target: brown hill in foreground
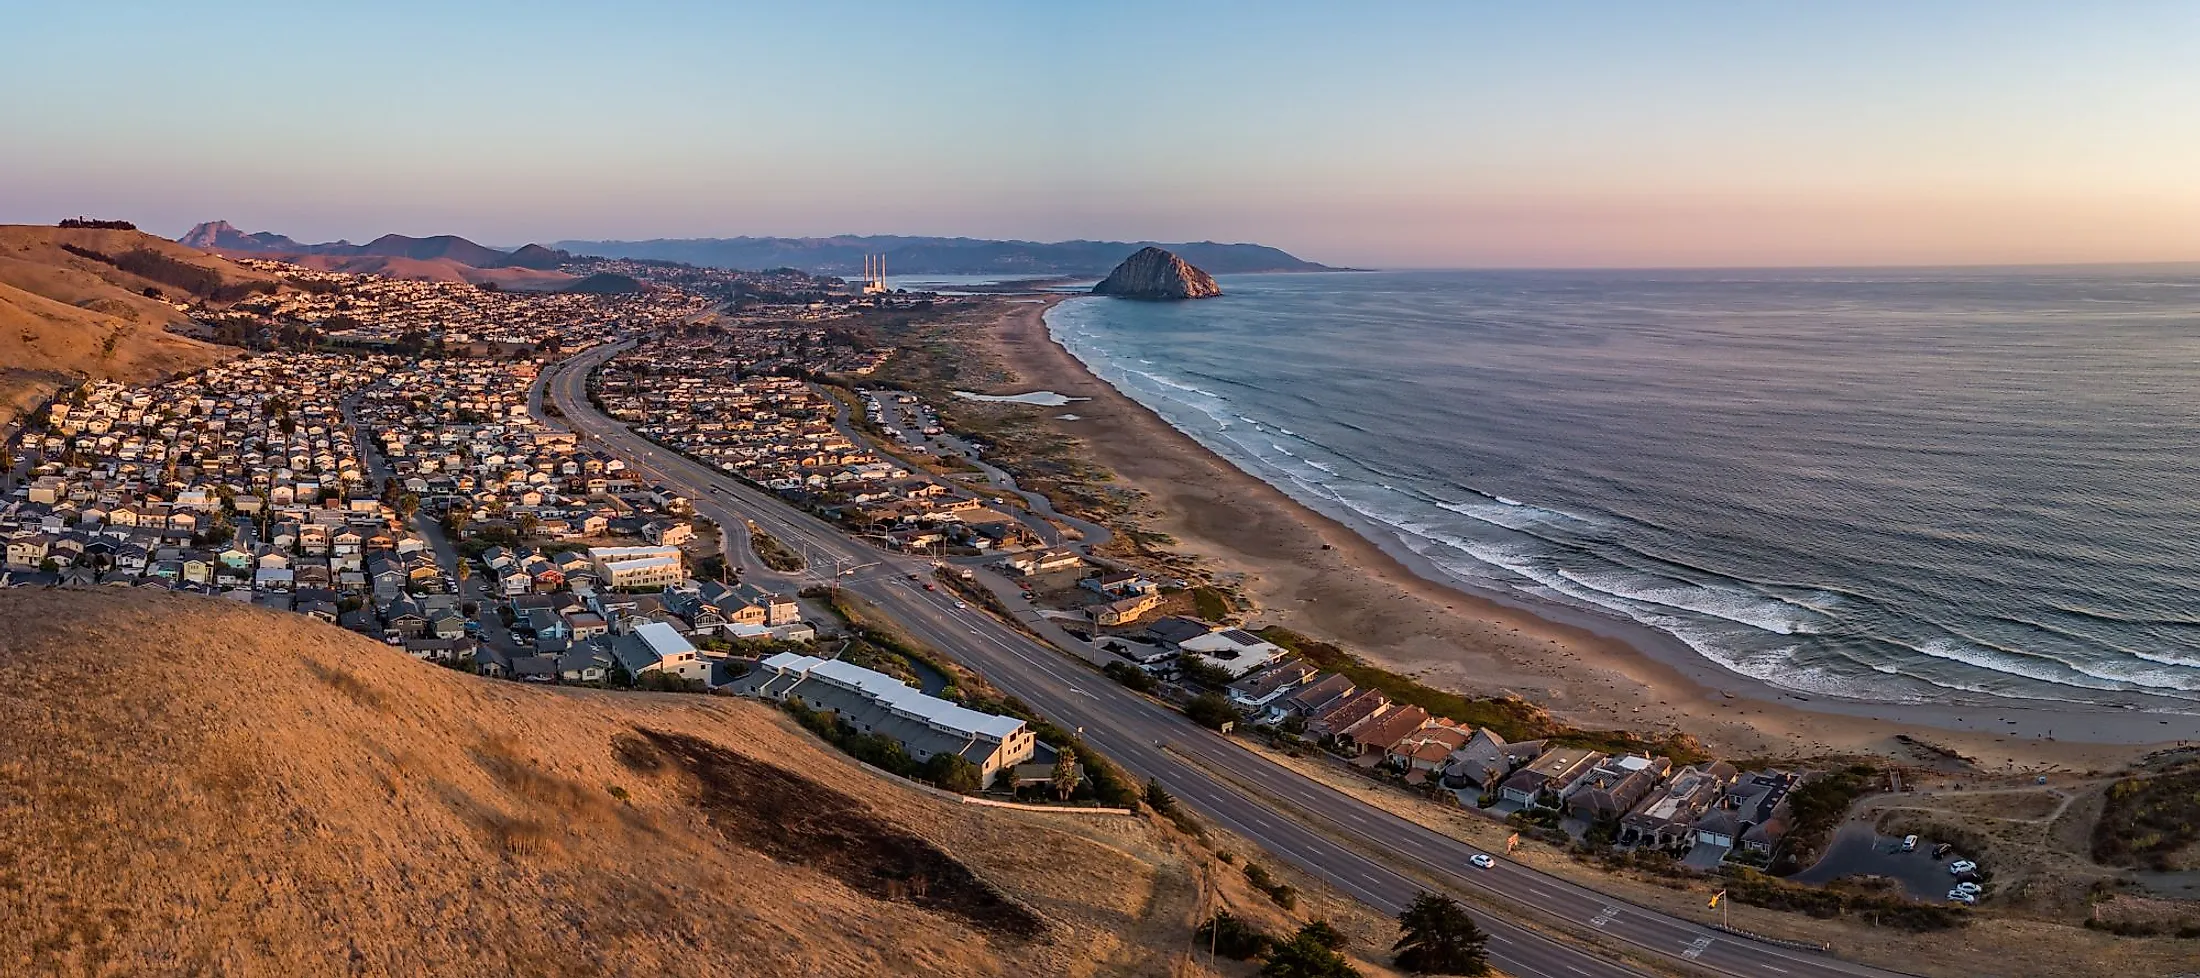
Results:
192 786
78 302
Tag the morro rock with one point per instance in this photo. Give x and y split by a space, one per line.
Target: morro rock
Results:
1156 274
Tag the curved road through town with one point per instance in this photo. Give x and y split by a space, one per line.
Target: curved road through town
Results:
1296 819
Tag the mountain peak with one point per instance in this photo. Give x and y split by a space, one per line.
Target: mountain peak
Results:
1153 273
224 235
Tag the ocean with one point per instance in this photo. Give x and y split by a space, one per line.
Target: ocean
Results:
1909 485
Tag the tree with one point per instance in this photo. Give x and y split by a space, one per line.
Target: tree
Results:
1438 938
1321 930
527 524
408 504
1131 676
1065 777
1211 710
954 773
1158 798
1308 955
1200 672
1232 938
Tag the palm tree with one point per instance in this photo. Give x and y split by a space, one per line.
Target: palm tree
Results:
1438 938
1065 777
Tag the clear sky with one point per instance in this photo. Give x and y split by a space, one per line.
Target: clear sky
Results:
1391 134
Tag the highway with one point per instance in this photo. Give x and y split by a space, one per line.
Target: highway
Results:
1295 819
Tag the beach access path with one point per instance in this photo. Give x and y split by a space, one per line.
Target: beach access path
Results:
1374 856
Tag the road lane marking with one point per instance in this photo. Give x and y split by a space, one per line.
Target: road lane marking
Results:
1047 668
1696 948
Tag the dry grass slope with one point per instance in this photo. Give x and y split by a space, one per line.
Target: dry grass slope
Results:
65 316
431 270
189 786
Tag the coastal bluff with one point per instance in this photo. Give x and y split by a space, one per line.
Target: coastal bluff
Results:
1155 274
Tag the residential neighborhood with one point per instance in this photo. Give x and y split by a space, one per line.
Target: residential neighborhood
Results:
1704 813
783 434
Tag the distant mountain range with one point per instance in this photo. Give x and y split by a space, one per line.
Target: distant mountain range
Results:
939 256
224 236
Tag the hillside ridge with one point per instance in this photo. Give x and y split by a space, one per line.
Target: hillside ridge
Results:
97 303
190 784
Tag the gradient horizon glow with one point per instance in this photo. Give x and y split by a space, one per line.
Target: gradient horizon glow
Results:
1397 135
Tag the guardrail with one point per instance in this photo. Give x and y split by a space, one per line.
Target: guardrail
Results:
1818 946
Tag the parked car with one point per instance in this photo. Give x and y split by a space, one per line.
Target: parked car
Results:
1483 860
1942 850
1961 897
1962 866
1909 843
1970 887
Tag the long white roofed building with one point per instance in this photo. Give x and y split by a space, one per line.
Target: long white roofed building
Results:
874 702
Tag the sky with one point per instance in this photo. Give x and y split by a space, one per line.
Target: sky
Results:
1375 134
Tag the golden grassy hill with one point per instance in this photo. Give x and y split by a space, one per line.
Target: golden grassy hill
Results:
433 270
65 315
191 786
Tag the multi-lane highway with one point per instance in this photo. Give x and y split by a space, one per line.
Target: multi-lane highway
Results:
1324 832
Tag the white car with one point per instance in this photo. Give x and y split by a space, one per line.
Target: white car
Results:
1961 897
1970 887
1483 860
1962 866
959 604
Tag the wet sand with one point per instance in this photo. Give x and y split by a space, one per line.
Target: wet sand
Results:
1310 572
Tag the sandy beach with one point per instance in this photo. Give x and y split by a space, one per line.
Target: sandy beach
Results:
1310 572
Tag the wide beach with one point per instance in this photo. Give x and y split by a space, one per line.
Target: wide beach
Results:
1309 571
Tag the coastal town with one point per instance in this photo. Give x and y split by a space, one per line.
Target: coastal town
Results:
388 461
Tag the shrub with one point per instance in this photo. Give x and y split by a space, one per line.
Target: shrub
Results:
1199 672
1131 676
1307 955
1233 938
1210 710
954 773
2147 821
1277 890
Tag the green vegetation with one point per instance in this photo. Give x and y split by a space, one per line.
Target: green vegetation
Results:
1233 938
1511 717
1131 676
1436 937
1277 890
1199 672
883 752
1210 603
1160 800
774 554
2149 822
1878 907
1106 782
1310 953
1211 710
1819 805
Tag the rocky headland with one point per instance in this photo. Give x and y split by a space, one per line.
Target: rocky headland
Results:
1158 275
